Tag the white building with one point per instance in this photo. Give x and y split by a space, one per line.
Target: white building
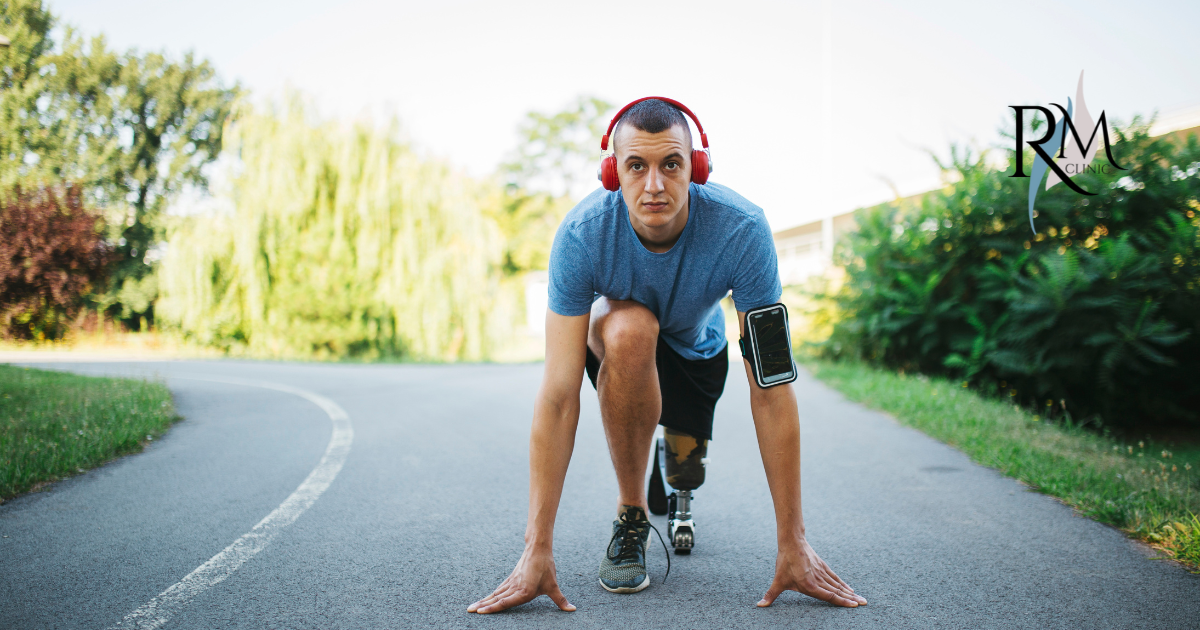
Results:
807 250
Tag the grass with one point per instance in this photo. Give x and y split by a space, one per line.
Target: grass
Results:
54 425
1147 490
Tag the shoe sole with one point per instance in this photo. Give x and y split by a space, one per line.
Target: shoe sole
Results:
627 589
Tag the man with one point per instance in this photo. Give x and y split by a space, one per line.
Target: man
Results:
660 253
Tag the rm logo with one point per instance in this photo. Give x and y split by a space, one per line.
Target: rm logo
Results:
1074 155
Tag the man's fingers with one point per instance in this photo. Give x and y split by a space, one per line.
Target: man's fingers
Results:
844 602
496 596
843 592
835 576
500 590
826 594
560 599
506 602
486 601
843 589
838 585
819 591
772 593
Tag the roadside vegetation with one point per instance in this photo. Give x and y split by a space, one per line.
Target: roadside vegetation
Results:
319 239
1150 490
1094 319
107 139
54 425
1065 358
342 242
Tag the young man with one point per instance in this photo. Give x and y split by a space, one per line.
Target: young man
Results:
636 275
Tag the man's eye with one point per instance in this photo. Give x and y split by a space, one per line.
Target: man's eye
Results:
672 165
635 167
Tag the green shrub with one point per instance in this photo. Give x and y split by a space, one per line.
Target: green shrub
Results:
1094 319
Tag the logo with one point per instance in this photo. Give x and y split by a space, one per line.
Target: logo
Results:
1074 155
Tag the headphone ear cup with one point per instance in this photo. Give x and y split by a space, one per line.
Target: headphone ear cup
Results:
608 173
701 166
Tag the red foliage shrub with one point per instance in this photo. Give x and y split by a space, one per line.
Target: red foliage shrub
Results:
52 254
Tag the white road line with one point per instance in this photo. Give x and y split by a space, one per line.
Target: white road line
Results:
159 610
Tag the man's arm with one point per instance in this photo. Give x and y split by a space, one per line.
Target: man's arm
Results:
797 566
551 441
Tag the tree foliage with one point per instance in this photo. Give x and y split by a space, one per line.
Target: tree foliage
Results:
1095 318
558 152
554 155
342 242
52 255
131 129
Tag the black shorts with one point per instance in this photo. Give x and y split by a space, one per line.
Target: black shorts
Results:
690 389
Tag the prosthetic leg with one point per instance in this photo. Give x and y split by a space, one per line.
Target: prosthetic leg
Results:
679 461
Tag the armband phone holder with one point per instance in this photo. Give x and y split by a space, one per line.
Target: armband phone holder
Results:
767 346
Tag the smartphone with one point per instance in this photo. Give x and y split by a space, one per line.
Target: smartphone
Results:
771 342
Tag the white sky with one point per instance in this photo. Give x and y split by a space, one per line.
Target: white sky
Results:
907 76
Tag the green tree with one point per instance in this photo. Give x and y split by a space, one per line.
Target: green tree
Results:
342 242
554 158
557 153
147 126
133 129
24 130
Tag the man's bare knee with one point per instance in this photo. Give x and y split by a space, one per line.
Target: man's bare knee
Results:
630 332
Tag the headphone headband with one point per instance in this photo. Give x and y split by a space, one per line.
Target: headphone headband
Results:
681 106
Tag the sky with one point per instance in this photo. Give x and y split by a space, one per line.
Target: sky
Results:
802 134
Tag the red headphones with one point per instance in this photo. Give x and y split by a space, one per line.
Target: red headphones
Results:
701 159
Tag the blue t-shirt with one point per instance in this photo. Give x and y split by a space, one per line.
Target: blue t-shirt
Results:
725 246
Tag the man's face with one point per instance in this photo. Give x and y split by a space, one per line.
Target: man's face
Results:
654 170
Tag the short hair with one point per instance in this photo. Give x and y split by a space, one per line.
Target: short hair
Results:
653 116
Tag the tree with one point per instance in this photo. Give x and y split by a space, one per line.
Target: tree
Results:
558 152
132 130
555 157
147 127
51 256
24 134
342 242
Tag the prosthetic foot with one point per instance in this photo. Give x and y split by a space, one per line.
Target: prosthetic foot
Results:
679 461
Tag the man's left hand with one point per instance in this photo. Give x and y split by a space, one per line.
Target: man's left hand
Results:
799 568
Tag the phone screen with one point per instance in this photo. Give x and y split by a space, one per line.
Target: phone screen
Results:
771 339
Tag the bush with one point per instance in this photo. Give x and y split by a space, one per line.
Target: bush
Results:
51 256
1095 319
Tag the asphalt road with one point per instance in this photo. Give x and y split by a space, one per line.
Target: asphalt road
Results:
428 512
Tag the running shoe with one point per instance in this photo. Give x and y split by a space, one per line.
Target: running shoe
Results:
623 569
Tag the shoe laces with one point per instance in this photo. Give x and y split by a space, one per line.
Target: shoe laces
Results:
631 540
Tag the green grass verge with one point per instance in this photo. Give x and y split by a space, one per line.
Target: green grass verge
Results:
54 425
1146 490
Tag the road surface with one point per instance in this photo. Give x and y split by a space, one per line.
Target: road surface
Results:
426 514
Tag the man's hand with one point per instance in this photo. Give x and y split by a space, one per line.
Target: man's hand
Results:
534 576
800 569
551 440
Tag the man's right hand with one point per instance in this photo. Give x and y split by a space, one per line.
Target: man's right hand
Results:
534 575
551 441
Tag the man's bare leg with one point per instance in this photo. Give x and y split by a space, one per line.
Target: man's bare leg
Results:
624 335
